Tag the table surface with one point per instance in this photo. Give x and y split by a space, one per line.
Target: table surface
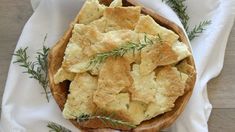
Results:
221 90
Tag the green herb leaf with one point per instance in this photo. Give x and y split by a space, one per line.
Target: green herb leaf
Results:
180 9
122 50
57 128
198 29
105 120
35 69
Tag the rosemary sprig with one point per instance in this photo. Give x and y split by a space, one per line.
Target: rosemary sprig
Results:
105 120
180 9
37 69
57 128
198 29
122 50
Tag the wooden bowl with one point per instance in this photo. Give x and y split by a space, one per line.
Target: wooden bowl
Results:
60 91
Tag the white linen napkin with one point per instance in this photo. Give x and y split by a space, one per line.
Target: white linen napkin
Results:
35 4
25 109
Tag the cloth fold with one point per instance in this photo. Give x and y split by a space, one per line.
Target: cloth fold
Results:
25 109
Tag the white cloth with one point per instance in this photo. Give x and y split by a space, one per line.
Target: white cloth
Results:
35 4
25 109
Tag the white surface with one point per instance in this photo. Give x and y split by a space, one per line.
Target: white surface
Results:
35 4
25 109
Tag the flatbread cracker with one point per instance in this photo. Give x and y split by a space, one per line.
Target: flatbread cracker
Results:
79 99
63 75
171 85
90 11
118 18
114 76
146 24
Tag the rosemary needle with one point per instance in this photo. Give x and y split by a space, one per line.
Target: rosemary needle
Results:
122 50
105 120
56 127
198 29
37 69
180 9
